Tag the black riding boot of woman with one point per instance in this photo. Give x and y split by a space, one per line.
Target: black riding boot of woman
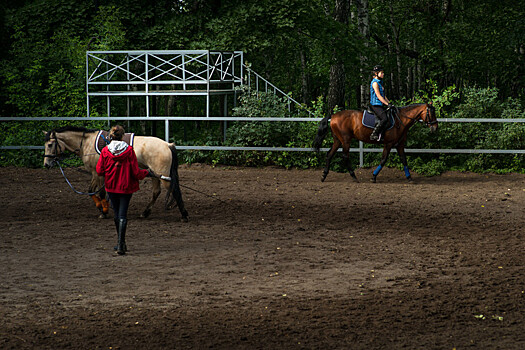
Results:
381 120
120 204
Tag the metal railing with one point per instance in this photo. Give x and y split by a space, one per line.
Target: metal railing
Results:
154 73
361 149
259 84
161 73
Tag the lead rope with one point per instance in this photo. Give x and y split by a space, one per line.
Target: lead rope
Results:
70 185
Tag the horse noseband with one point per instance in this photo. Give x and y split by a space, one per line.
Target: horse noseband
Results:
55 156
427 123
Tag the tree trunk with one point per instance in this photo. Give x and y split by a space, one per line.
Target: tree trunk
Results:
304 78
336 90
399 85
363 25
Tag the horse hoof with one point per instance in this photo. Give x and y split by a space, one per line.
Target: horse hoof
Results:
184 219
410 180
373 180
145 214
322 179
103 216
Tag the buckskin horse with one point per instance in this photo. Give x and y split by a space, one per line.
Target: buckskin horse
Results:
152 152
347 125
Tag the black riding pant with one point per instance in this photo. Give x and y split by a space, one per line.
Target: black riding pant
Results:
380 112
120 204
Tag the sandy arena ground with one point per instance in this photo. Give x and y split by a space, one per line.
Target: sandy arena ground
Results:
278 260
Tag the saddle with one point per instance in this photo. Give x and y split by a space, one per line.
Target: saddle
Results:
102 140
369 119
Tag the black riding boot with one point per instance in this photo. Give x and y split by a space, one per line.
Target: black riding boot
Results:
121 249
116 227
375 133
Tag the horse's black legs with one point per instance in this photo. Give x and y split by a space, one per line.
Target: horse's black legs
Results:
329 157
346 159
384 158
402 155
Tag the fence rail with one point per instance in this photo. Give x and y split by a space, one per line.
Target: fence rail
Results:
361 149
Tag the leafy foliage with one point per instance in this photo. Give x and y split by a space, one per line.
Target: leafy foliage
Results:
465 56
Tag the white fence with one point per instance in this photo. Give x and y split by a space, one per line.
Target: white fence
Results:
143 74
361 150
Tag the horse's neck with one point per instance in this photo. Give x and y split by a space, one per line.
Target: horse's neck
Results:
410 116
75 141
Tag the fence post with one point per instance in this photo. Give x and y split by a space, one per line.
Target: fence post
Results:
361 154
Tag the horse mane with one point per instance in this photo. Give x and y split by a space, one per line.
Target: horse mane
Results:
414 105
69 128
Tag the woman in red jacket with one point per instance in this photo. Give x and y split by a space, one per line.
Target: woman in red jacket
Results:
119 166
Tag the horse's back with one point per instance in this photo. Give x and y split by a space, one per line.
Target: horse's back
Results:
345 121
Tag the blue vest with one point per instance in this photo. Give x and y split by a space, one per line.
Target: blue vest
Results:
374 101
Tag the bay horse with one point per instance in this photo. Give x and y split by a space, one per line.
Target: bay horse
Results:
152 153
347 125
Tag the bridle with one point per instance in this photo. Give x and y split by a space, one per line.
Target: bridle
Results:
58 154
58 149
427 116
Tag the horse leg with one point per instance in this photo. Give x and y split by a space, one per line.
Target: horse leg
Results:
329 156
100 200
384 158
346 159
104 201
156 192
403 156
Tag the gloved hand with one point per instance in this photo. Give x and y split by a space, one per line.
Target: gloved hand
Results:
151 173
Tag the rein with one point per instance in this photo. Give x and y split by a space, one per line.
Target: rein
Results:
70 185
427 123
396 113
58 152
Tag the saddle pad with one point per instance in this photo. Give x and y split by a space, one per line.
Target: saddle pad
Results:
369 120
102 140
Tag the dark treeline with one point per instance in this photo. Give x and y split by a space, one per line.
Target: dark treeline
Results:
310 47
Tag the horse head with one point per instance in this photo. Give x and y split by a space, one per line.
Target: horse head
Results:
52 148
429 117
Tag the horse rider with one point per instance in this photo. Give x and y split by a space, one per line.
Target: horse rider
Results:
119 166
378 102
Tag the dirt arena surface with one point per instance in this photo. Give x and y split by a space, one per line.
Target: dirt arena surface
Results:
283 262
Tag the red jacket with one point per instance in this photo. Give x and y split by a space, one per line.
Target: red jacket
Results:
121 172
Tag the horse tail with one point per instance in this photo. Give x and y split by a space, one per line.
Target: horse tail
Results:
174 193
173 173
321 132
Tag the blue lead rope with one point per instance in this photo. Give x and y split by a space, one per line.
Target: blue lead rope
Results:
70 185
